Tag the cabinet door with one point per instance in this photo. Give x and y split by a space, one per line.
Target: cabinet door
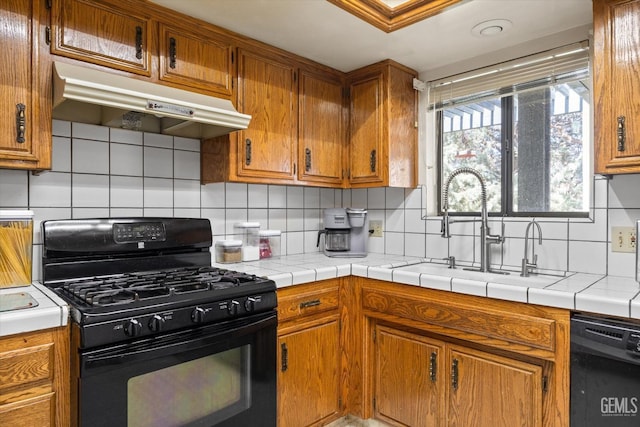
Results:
367 130
616 86
200 60
490 390
409 378
321 135
266 91
25 121
309 374
102 34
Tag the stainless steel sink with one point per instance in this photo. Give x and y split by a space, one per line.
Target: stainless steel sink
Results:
538 280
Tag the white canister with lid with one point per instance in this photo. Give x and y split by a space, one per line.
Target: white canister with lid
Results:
228 251
248 232
270 243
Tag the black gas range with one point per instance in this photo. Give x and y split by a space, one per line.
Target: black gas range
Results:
146 302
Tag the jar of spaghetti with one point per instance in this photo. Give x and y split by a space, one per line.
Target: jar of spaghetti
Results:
16 248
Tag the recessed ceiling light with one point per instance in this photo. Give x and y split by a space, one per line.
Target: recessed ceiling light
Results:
491 28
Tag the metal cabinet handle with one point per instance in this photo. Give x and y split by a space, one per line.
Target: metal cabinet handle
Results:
247 152
433 366
622 134
172 52
372 160
307 159
284 361
21 123
454 374
312 303
139 42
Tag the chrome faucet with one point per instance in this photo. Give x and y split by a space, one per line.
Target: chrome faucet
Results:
526 265
486 238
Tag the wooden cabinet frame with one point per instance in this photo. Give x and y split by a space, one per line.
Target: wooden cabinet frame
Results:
526 333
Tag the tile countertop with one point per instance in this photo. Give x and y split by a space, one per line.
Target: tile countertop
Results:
595 293
50 312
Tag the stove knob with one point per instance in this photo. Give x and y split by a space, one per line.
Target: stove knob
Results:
132 328
198 314
250 304
156 323
233 307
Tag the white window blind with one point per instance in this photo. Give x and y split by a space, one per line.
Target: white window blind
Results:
560 65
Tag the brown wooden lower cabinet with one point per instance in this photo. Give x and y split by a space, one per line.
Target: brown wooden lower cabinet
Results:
309 356
434 358
410 356
34 379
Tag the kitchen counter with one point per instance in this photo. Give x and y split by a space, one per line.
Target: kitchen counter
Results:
606 295
48 311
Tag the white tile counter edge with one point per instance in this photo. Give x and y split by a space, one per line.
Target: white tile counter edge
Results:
51 312
606 295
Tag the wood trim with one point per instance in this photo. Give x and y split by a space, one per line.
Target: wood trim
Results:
389 19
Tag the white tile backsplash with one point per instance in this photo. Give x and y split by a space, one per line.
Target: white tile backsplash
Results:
126 159
51 189
89 156
99 171
158 162
158 193
90 191
13 188
61 154
186 164
157 140
126 192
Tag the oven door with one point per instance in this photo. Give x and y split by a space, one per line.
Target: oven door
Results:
216 375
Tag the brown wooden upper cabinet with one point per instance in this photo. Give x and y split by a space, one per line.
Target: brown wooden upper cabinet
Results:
25 87
103 33
322 129
199 59
148 41
616 86
296 134
266 91
382 126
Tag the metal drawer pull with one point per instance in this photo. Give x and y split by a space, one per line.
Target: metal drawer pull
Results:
247 152
311 303
139 42
622 134
372 160
307 160
21 123
172 52
284 362
433 366
454 374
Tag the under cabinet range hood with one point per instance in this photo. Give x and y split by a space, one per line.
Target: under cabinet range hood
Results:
91 96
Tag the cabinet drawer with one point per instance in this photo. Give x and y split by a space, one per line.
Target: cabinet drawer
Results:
37 411
23 366
305 300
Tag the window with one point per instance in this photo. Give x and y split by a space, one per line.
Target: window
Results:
524 126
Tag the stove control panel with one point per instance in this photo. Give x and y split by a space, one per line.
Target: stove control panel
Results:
139 232
161 321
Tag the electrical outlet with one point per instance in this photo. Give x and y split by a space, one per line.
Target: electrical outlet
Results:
375 226
623 239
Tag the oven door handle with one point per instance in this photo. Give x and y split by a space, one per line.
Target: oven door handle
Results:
218 335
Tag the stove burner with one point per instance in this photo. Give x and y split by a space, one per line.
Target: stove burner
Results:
139 286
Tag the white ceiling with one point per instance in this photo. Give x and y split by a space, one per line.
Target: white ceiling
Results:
436 47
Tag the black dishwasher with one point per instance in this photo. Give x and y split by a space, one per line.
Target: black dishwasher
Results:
605 372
